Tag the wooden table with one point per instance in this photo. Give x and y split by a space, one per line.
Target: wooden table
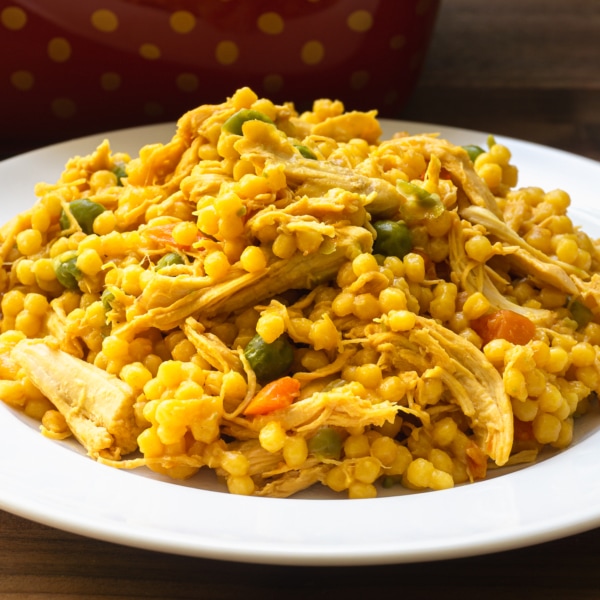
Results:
528 69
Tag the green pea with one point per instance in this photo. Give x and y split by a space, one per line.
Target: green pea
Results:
326 443
84 211
235 122
581 314
67 273
172 258
305 151
107 299
393 238
473 151
120 170
269 361
419 202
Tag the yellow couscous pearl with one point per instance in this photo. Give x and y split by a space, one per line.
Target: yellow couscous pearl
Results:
284 246
13 302
28 323
308 242
475 306
479 248
431 390
385 450
401 462
356 446
338 479
54 421
366 307
500 153
295 451
414 267
583 354
235 463
419 472
395 264
514 383
525 410
535 381
272 436
541 353
491 173
89 262
253 259
557 360
565 437
588 376
360 490
270 326
24 271
183 350
567 250
114 347
441 480
29 241
444 431
550 399
343 304
185 233
105 223
130 279
391 388
364 263
43 269
367 469
241 485
36 304
546 428
369 375
216 265
441 460
559 199
233 386
40 219
136 375
208 220
188 390
401 320
324 334
392 299
312 360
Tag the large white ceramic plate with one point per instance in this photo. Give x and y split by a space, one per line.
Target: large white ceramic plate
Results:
54 483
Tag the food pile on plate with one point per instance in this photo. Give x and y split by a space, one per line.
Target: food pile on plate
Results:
289 300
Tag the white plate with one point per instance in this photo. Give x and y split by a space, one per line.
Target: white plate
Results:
54 483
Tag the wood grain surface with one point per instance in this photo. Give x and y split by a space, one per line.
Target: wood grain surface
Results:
524 68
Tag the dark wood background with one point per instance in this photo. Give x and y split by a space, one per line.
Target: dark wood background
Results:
524 68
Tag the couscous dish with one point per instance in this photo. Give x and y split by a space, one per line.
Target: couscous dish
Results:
289 300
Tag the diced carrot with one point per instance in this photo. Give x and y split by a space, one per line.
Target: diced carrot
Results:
275 395
505 324
163 234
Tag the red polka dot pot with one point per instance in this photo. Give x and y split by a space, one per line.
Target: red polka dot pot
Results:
69 68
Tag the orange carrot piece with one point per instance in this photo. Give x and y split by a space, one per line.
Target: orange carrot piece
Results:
275 395
163 234
505 324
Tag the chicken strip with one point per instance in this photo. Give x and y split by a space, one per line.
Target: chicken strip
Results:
98 407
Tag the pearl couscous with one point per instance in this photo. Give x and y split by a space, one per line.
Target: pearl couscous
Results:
288 300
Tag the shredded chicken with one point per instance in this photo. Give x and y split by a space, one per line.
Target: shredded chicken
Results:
98 407
288 300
